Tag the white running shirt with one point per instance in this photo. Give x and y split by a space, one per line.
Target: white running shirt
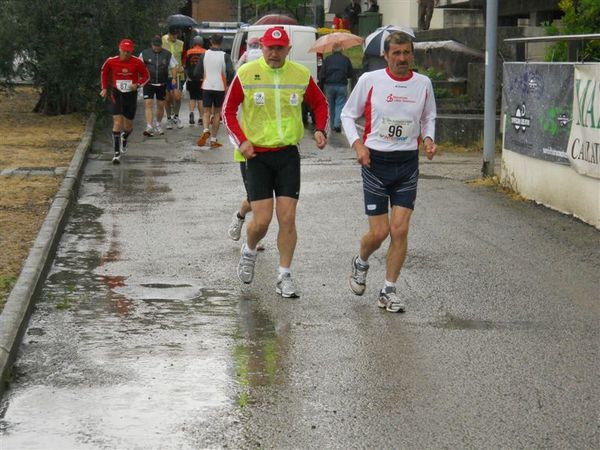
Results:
398 112
215 70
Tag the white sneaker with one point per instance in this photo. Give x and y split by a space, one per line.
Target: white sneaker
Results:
149 131
169 123
285 286
235 228
245 269
116 159
389 300
178 123
358 277
158 129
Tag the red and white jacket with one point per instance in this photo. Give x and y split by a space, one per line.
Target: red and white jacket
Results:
398 112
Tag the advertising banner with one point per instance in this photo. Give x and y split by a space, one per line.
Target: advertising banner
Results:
584 141
537 108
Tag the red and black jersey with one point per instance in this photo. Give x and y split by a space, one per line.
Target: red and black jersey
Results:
131 70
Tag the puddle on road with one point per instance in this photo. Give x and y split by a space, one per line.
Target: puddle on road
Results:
120 360
259 352
448 321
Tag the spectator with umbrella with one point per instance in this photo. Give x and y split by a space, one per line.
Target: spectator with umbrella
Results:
336 71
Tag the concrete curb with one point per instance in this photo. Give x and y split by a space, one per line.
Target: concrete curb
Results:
14 317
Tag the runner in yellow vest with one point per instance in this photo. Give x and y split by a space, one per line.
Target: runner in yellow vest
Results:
175 85
270 91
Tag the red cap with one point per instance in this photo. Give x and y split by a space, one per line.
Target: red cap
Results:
126 45
275 36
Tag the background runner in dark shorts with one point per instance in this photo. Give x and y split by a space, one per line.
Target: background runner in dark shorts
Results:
212 98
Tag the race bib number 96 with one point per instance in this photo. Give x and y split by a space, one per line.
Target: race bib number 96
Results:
124 85
396 130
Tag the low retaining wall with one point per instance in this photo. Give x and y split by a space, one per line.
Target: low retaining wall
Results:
15 316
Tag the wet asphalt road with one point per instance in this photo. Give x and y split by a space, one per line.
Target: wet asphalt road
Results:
144 338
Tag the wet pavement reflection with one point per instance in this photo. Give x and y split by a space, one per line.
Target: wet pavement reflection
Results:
143 337
120 354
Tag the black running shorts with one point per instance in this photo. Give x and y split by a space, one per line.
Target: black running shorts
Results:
195 89
244 178
391 178
212 98
152 90
124 103
274 172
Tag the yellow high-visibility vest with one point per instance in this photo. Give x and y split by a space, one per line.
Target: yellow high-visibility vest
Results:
272 105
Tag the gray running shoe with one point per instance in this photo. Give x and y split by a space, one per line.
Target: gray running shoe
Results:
285 286
169 123
245 269
389 300
358 277
117 158
235 229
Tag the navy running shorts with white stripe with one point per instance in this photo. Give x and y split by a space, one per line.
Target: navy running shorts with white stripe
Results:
391 178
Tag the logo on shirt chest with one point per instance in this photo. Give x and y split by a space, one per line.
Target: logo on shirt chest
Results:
391 98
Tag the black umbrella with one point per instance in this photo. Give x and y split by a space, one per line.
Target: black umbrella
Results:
374 41
181 20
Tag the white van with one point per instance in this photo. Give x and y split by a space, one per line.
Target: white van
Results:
301 39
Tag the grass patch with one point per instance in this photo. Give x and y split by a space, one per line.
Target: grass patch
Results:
494 182
29 140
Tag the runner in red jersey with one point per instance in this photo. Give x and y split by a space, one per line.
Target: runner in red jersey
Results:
127 73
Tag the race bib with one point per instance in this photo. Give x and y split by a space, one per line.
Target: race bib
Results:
124 85
396 130
259 98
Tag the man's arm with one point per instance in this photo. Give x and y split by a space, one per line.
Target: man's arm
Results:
318 103
354 109
231 104
104 77
143 74
199 69
229 72
428 122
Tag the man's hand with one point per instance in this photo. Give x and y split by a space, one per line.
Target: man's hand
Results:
247 149
103 93
430 148
320 139
134 87
363 156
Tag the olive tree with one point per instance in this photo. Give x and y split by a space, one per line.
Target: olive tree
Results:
66 41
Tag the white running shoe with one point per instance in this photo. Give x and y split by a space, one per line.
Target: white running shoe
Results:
158 129
389 300
169 123
245 269
358 277
235 228
116 159
285 286
178 123
149 131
